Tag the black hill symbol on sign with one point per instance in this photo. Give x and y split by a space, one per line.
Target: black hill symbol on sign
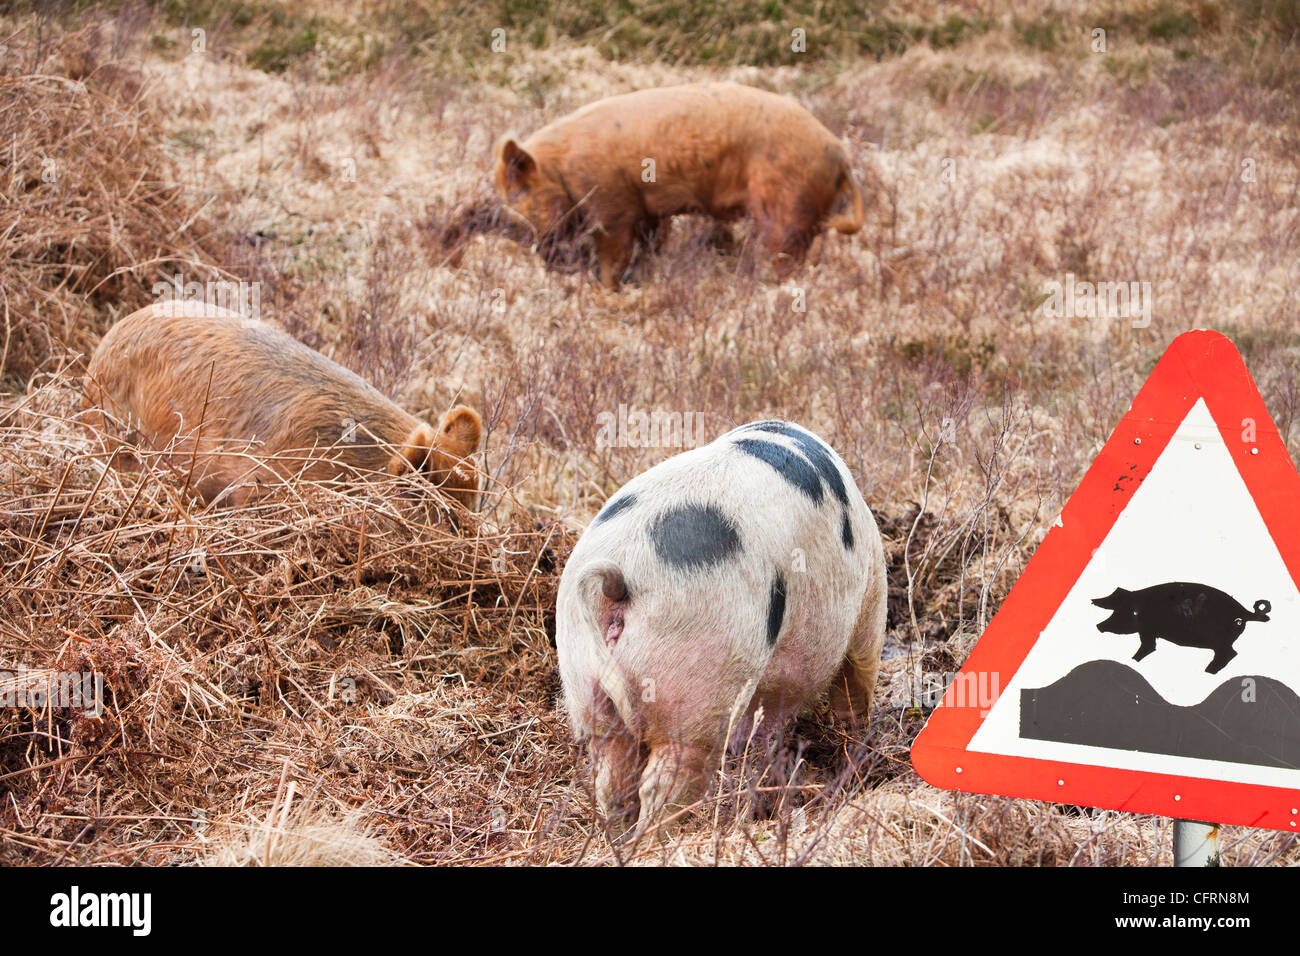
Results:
1108 704
1189 615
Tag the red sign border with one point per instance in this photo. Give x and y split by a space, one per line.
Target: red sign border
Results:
1198 364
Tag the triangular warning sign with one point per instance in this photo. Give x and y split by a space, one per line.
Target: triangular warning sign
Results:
1148 658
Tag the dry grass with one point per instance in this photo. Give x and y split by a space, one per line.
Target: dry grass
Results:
343 676
92 207
300 836
329 630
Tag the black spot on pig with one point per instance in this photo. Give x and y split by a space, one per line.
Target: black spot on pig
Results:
1189 615
621 503
775 609
694 537
787 463
815 452
827 473
824 464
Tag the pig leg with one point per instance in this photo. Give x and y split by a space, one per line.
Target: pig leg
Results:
788 252
723 240
785 226
614 246
119 453
1147 646
655 232
675 776
651 234
786 241
617 761
855 684
1221 658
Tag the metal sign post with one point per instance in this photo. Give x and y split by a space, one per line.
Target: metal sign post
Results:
1196 844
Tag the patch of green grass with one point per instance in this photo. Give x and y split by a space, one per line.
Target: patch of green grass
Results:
1255 342
957 29
1257 39
959 352
457 36
1163 23
285 46
280 37
1076 257
681 31
1281 18
208 12
1038 35
1171 23
163 43
194 139
1129 70
950 80
1266 42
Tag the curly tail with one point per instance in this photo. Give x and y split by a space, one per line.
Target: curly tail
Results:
599 584
848 199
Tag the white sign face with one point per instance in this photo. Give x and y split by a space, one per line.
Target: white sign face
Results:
1206 588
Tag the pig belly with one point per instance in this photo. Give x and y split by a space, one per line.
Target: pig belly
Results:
719 194
690 690
665 200
1209 642
796 676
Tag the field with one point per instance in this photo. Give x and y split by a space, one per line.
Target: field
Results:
341 676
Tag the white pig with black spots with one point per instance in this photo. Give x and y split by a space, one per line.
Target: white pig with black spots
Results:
745 574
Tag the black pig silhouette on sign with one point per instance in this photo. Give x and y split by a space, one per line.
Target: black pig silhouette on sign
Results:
1189 615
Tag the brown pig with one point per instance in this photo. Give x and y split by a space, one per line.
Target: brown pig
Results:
625 165
247 404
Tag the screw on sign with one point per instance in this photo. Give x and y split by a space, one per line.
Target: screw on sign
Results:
1185 530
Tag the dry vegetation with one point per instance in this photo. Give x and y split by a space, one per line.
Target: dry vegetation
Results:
344 675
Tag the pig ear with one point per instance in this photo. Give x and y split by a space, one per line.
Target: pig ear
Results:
413 452
515 165
1112 600
460 432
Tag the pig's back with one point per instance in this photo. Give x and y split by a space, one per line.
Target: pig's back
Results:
708 538
704 117
171 363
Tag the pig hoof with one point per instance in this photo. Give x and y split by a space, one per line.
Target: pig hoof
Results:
620 823
1219 662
